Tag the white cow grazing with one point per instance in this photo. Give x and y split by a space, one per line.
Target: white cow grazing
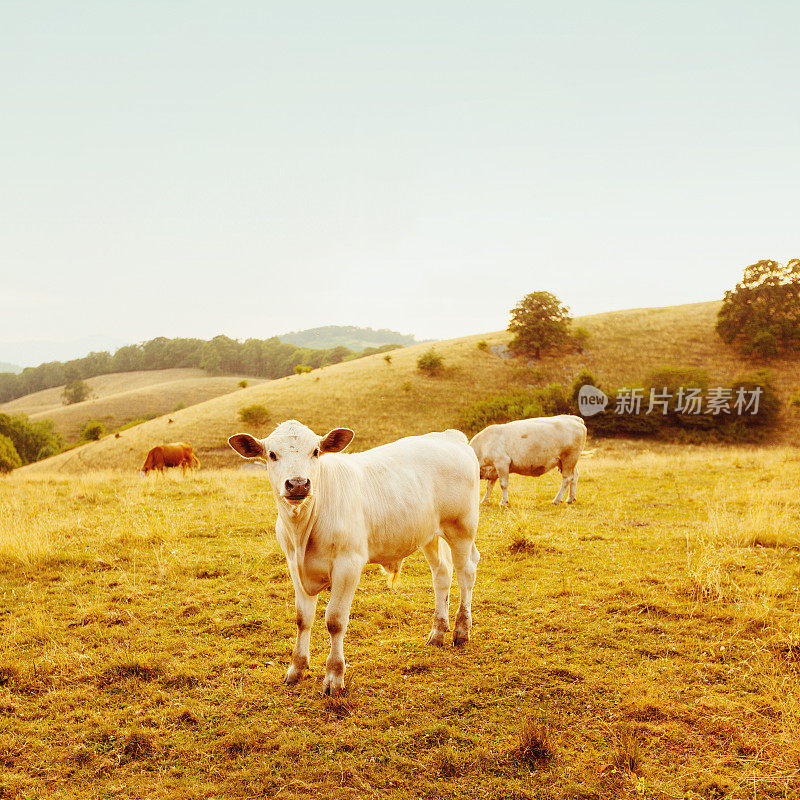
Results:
531 447
337 513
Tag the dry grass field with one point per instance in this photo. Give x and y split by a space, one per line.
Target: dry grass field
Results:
123 397
642 643
385 400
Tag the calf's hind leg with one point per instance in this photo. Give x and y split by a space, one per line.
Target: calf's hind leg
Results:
565 484
437 554
569 480
461 539
573 487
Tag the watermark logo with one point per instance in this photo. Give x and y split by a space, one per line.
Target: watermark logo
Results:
591 400
716 401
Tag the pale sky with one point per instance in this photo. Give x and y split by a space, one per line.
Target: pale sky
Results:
250 168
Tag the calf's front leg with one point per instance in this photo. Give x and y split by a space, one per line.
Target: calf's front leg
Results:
345 575
306 606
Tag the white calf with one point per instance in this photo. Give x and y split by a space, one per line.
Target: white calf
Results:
339 512
531 447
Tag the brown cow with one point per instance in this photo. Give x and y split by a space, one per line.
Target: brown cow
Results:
176 454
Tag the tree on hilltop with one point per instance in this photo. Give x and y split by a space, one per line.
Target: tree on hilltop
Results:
761 315
76 391
539 322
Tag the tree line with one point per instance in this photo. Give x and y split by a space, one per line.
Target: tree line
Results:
264 358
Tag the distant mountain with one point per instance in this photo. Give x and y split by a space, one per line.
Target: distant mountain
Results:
33 353
6 367
349 336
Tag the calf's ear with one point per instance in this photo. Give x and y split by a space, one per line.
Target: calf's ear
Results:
246 445
336 440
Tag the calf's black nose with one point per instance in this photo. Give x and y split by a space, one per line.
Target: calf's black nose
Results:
298 487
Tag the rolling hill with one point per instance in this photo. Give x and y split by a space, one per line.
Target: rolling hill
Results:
349 336
383 400
122 397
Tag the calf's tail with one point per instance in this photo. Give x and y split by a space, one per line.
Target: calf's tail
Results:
392 576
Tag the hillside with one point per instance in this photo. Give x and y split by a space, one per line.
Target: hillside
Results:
349 336
382 401
122 397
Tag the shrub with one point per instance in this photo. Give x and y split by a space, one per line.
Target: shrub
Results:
92 430
242 384
48 449
583 378
483 345
580 338
75 392
694 424
636 425
255 414
300 369
430 362
517 404
9 457
552 401
769 405
388 359
31 440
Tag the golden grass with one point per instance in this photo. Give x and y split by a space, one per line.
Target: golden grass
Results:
383 401
145 627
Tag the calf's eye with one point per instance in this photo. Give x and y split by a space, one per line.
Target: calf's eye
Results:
272 455
316 452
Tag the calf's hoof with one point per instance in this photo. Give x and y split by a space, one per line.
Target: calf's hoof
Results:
294 674
332 686
435 639
460 639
